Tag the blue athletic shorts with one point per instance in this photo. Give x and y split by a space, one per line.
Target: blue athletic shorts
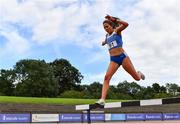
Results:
119 58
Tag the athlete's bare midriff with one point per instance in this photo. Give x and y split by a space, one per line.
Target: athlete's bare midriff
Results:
116 51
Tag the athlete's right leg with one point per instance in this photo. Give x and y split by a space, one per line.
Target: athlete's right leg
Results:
128 66
111 70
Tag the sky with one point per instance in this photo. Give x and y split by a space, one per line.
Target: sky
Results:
73 30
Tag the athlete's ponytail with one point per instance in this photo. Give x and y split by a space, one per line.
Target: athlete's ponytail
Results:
116 24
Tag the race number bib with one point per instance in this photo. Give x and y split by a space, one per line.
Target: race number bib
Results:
112 44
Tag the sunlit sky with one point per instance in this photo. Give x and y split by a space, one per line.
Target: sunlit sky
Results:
72 29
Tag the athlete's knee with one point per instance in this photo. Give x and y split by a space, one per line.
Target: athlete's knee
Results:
107 77
137 78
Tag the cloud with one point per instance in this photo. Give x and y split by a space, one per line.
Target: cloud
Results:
151 40
73 21
156 35
15 45
58 22
13 49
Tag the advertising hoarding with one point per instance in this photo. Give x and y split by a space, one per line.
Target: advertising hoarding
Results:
45 117
70 117
135 117
15 118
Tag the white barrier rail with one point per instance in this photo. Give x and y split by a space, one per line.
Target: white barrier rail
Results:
130 103
149 102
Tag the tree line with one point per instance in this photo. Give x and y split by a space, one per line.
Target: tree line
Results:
37 78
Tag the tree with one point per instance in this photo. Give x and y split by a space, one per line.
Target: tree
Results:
163 89
172 88
123 87
94 90
112 92
131 89
35 78
6 82
161 95
86 92
67 75
156 87
148 93
134 88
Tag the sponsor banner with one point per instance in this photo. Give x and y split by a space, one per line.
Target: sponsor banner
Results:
45 117
171 116
15 118
118 117
94 117
135 117
70 117
107 117
153 116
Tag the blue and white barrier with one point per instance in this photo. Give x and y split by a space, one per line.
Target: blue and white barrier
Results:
148 102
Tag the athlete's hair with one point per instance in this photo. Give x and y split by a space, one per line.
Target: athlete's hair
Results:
114 25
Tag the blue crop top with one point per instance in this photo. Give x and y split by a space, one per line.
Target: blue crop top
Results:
114 40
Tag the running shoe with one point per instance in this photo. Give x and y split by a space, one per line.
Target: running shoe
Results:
141 74
100 102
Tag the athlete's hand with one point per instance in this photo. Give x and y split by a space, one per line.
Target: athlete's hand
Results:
103 43
108 17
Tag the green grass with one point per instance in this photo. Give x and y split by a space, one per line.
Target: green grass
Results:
36 100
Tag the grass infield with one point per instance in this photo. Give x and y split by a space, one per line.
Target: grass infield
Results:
40 100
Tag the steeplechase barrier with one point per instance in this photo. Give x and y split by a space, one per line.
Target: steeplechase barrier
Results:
89 107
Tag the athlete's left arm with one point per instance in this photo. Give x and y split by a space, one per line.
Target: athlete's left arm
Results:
122 25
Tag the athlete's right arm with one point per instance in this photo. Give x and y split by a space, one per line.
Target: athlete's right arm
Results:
121 27
104 43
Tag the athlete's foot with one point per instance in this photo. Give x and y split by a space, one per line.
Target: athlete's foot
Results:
141 75
100 102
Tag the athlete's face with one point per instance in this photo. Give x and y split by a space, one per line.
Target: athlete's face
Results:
108 28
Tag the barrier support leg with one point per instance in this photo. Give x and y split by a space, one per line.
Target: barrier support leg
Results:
89 116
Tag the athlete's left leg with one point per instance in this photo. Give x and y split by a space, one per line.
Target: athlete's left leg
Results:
128 66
